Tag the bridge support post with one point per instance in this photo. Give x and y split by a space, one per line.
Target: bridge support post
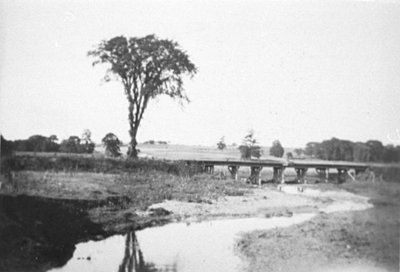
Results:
233 169
209 168
323 174
342 173
279 175
301 173
255 172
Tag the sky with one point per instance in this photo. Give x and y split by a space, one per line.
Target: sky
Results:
296 71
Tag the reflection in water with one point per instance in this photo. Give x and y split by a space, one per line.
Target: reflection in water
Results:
204 246
133 258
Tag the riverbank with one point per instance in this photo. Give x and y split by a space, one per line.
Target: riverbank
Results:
365 240
113 203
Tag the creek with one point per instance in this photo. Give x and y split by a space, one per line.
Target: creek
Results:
200 246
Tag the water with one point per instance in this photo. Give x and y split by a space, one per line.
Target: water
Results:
203 246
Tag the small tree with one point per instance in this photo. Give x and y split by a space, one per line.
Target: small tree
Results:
276 149
6 147
221 144
51 144
299 152
87 144
112 145
71 145
249 147
289 156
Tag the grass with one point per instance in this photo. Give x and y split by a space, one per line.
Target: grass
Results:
93 164
141 188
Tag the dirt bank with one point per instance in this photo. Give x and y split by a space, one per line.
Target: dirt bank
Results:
120 202
366 240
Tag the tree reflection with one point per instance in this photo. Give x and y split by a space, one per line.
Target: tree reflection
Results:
133 258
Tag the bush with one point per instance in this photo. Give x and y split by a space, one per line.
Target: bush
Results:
99 165
276 149
6 147
112 145
249 147
221 144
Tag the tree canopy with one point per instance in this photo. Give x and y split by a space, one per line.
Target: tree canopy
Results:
221 145
147 67
249 147
343 150
112 145
276 149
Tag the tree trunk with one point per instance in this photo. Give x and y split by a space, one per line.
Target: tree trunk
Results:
132 151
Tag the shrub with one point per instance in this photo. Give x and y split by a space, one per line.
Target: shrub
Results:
112 145
6 147
221 144
249 147
276 149
99 165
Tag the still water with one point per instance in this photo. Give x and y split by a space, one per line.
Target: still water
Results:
202 246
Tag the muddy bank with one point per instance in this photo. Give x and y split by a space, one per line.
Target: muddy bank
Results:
38 233
366 240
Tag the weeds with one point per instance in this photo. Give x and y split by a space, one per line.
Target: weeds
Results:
97 165
141 188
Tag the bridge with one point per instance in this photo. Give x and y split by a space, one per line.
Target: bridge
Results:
301 167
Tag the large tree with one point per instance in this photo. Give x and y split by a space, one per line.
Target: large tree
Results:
146 67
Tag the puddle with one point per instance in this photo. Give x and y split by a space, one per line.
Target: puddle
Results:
203 246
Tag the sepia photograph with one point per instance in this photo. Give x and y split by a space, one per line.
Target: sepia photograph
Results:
200 135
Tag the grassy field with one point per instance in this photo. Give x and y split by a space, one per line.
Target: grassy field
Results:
141 188
185 152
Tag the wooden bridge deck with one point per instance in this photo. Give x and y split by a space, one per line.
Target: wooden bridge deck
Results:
284 163
279 166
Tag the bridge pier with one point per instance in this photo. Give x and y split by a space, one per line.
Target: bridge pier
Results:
233 169
255 172
344 169
323 173
358 171
209 168
342 173
279 175
301 173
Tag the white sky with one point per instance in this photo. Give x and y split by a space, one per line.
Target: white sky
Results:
297 71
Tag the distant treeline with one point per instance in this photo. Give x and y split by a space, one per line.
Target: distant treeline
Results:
152 142
39 143
343 150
